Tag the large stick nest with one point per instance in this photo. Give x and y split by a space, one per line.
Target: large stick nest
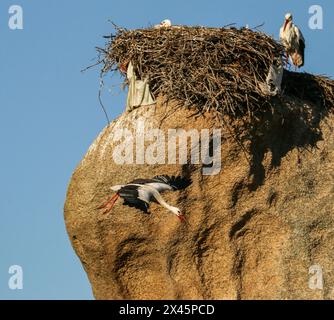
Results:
210 68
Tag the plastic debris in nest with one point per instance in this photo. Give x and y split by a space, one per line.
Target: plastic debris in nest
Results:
273 83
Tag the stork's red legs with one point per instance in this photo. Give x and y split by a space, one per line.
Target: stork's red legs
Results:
110 203
106 203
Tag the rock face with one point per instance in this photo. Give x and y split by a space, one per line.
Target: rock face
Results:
261 228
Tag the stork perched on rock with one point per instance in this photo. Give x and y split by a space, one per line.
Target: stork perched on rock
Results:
293 41
140 192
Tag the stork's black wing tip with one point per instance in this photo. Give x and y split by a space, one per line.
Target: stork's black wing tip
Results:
176 182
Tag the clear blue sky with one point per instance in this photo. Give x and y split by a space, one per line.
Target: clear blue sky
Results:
50 114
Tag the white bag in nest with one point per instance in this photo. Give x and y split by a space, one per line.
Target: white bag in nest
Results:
139 93
274 78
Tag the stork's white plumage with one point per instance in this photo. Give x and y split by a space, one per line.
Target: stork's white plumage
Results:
140 192
293 41
164 24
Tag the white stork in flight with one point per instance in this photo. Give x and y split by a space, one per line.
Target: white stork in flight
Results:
293 41
140 192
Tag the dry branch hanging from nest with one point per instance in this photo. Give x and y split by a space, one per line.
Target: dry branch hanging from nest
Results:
207 68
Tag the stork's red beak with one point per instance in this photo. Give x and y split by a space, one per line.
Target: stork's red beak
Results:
182 218
285 24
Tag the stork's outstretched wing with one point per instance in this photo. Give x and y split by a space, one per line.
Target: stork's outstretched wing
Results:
164 183
177 183
136 203
133 197
158 185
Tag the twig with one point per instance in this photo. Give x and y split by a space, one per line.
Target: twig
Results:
100 100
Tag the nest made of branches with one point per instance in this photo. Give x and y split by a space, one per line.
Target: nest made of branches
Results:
209 68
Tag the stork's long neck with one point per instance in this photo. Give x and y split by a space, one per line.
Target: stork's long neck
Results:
161 200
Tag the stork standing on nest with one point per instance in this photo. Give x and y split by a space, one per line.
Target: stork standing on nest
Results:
293 41
140 192
164 24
